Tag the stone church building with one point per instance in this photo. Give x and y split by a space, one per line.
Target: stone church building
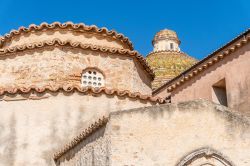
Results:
73 94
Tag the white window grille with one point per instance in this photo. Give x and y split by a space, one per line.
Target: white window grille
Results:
93 78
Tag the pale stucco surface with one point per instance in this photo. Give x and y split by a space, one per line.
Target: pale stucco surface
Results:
234 68
166 134
31 131
94 150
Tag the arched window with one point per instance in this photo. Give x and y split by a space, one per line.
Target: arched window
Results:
204 157
92 77
171 46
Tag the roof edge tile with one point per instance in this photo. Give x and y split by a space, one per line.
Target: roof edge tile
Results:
54 25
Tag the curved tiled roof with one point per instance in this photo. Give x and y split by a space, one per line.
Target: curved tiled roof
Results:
88 90
91 129
168 64
68 25
57 42
166 34
210 60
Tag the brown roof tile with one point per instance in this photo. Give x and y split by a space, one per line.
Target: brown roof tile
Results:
67 25
88 90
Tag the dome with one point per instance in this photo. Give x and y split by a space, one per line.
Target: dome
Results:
167 65
166 60
166 34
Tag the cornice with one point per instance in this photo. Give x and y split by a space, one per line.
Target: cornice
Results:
69 88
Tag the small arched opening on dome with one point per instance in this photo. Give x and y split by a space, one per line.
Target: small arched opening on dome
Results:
92 77
166 40
205 157
171 46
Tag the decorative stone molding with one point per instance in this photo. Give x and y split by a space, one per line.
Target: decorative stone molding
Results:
88 90
58 42
207 62
69 26
208 153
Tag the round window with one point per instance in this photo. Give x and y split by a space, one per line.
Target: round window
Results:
92 77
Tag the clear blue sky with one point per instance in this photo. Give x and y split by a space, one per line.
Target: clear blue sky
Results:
202 25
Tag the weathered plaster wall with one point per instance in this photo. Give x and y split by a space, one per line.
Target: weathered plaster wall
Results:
65 35
92 151
234 68
167 134
163 135
32 130
55 66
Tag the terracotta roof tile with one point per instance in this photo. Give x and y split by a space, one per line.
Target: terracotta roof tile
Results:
67 25
87 90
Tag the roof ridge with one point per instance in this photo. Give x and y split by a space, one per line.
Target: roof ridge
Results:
56 42
72 88
54 25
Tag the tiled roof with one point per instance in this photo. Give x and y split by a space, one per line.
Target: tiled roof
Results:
168 64
68 25
86 90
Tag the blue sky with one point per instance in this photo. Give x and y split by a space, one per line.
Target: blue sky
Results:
202 25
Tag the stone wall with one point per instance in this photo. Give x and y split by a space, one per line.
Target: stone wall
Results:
92 151
188 133
34 126
164 135
54 66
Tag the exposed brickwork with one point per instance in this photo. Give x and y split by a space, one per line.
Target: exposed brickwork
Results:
55 66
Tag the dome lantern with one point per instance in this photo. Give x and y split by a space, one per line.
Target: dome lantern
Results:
166 40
